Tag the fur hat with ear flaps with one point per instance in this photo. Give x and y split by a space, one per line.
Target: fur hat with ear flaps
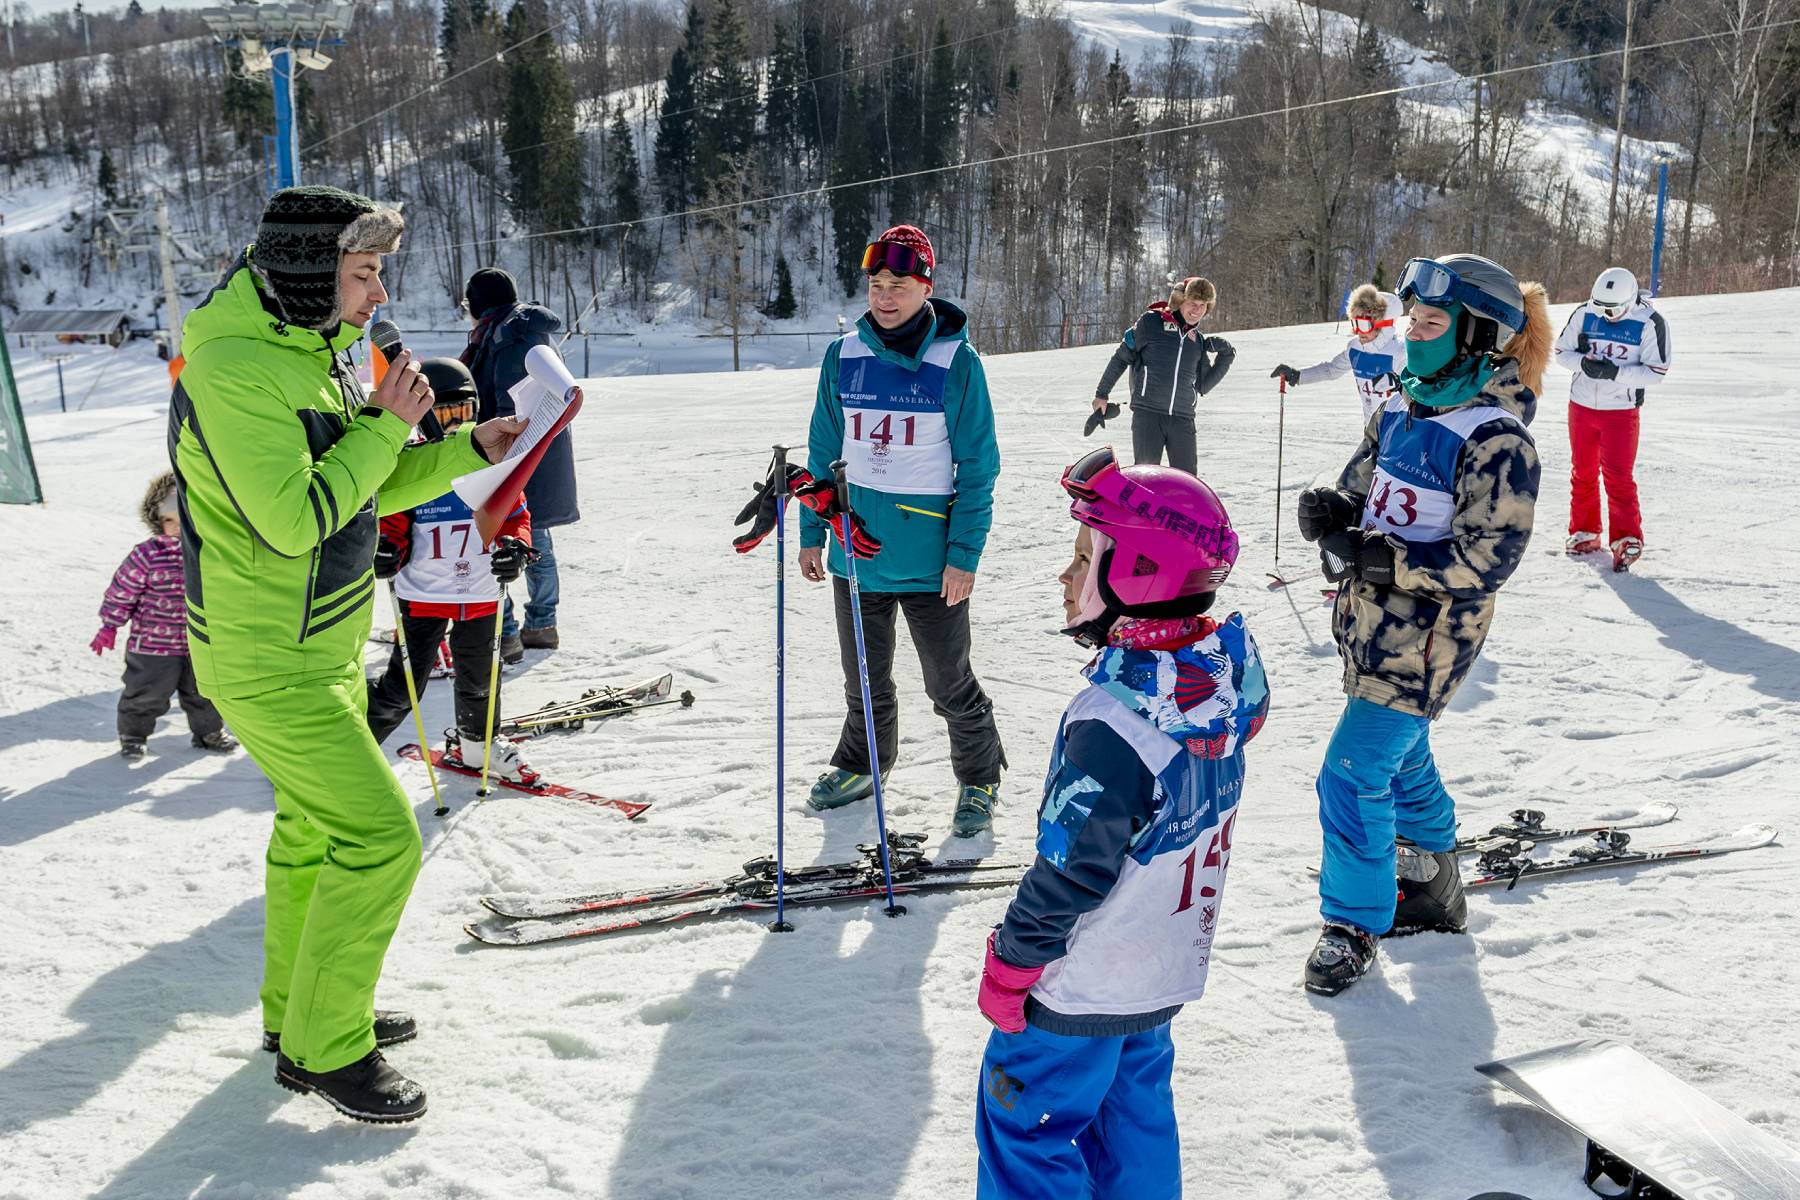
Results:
159 498
301 242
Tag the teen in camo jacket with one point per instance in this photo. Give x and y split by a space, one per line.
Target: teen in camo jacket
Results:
147 591
1427 522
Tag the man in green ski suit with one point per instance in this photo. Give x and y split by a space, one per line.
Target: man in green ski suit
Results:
284 466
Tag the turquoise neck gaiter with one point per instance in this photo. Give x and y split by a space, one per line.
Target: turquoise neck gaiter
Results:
1435 376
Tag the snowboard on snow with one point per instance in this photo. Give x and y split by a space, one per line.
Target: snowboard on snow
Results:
1648 1132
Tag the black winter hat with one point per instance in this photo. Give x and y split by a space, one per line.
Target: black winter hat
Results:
304 235
488 288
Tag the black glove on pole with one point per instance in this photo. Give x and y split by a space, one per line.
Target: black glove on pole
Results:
509 558
390 557
1286 374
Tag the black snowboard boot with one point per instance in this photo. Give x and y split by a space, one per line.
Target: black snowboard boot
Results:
1431 893
1342 956
368 1089
391 1028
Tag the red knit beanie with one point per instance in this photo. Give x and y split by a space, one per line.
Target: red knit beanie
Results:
914 239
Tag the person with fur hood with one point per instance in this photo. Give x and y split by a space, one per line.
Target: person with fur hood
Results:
1374 352
1171 365
147 590
1427 522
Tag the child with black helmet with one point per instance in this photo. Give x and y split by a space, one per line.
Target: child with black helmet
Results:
1428 520
447 581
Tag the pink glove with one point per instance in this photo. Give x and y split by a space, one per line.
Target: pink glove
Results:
103 641
1003 988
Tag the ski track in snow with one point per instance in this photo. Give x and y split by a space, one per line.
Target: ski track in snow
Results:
841 1060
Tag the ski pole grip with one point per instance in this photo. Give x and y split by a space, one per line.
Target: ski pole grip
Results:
837 477
781 453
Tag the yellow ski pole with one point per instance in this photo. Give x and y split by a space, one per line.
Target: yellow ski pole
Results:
487 746
412 695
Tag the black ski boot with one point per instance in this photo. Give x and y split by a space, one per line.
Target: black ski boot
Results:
131 749
1342 956
391 1028
368 1089
1431 893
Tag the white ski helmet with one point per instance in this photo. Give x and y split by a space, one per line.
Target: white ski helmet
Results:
1614 292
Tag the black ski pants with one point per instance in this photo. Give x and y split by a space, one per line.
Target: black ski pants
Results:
940 633
471 645
1153 432
150 679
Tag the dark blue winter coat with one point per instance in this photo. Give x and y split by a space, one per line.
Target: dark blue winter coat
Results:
498 364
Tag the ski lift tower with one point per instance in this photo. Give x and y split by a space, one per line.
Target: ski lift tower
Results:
277 38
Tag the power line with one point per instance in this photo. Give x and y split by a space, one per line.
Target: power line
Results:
1091 143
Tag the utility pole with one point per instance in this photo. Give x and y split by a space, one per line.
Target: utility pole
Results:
1612 203
166 260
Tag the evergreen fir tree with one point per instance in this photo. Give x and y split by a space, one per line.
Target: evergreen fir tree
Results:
134 12
247 104
108 180
853 208
781 104
943 102
624 195
727 95
783 306
677 128
461 19
542 149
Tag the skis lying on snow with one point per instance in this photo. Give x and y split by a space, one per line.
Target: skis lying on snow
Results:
522 922
1524 828
631 808
597 704
1508 863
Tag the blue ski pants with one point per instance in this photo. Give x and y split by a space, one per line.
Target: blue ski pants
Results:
1378 780
1077 1118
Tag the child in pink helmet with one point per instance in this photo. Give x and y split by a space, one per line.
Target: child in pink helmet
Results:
1112 927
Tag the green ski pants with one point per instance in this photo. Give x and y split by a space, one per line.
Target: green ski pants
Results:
341 863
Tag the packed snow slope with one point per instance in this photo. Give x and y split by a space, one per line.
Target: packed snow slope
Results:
840 1061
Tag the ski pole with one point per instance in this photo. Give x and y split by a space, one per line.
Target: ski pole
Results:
1280 437
862 671
487 745
412 697
778 479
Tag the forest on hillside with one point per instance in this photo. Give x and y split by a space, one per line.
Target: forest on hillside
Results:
739 153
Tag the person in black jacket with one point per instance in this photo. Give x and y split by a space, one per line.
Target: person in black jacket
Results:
505 330
1170 364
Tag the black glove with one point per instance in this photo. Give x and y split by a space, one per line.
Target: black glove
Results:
390 557
1218 347
1362 553
1286 372
1599 368
1582 343
509 558
760 511
1327 510
1098 418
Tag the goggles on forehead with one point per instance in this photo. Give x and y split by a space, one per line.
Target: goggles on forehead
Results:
892 256
1078 477
1435 284
1370 324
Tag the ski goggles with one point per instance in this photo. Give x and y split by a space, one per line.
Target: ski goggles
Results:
1435 284
1370 324
892 256
1079 477
454 411
1612 312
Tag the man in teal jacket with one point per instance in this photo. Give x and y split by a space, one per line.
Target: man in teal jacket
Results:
904 402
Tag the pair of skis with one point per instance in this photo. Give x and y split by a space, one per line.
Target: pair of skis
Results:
525 921
597 704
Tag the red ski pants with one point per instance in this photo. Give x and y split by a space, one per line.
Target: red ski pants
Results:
1603 443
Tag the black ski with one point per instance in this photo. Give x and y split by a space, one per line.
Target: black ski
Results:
865 886
1506 865
1527 824
756 882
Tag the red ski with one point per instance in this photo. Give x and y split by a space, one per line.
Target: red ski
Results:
631 808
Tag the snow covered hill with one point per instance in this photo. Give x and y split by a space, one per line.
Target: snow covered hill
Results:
840 1061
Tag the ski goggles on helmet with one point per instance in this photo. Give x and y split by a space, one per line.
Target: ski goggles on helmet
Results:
892 256
1433 283
1370 324
1612 312
1079 476
454 410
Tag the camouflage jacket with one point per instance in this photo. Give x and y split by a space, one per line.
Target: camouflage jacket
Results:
1408 647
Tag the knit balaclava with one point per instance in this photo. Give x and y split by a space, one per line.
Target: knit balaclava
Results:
304 235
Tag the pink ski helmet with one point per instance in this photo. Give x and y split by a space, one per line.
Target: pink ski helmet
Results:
1163 542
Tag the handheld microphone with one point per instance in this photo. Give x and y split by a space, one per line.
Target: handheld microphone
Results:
384 335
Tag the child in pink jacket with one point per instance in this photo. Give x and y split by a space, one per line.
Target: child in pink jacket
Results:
147 590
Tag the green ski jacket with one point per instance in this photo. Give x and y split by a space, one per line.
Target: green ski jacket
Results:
283 471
